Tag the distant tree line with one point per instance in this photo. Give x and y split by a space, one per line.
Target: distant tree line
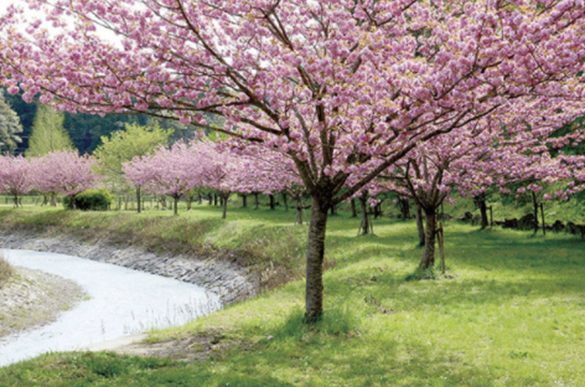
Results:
86 130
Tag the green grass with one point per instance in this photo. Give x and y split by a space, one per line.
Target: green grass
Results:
510 313
5 271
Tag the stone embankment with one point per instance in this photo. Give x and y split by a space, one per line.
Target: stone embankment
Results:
220 275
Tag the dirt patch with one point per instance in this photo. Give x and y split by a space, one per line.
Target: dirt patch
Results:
188 349
32 298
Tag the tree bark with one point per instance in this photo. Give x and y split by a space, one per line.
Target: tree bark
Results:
215 199
428 258
535 203
333 212
299 217
210 199
189 199
176 204
244 201
420 226
441 237
285 200
138 199
543 222
315 254
353 209
224 201
366 225
483 211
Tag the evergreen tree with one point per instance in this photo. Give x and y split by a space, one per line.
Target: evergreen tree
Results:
9 127
48 133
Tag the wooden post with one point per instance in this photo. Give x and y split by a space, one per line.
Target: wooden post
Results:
441 235
491 216
542 215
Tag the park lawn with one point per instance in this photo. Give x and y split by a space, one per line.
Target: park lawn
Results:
511 311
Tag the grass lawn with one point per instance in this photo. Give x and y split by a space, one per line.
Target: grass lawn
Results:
511 313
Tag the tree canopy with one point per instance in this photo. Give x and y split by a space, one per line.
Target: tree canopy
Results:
345 89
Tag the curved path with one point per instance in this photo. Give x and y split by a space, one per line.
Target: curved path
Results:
122 302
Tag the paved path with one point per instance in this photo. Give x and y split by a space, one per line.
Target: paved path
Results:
122 302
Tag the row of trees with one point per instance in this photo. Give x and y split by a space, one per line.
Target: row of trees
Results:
56 173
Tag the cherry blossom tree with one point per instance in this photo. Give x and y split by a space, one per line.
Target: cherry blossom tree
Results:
63 172
15 177
173 172
473 161
344 88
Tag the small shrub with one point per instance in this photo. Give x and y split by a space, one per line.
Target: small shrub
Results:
90 200
5 271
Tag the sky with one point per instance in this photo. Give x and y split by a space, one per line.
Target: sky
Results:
4 4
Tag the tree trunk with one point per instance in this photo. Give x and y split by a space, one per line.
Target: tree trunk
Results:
224 202
272 205
483 211
535 203
378 210
256 201
420 226
404 208
366 226
441 237
53 199
543 222
244 201
428 258
315 254
333 212
176 204
299 218
353 209
138 199
16 202
215 199
210 199
189 198
285 200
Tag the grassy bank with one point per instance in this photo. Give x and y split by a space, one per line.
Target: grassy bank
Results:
265 241
5 271
511 312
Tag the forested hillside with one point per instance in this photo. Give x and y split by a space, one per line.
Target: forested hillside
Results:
85 130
